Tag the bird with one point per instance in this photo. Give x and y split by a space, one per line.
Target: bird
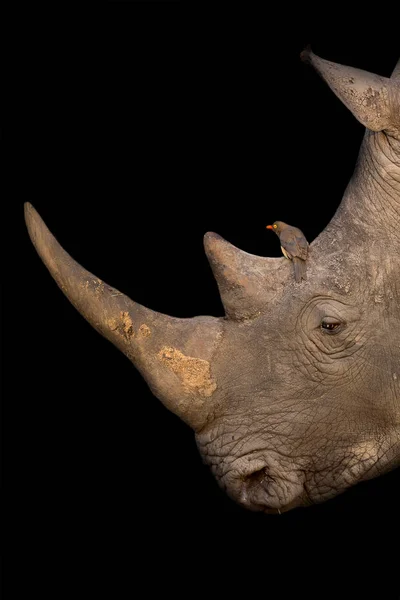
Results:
294 247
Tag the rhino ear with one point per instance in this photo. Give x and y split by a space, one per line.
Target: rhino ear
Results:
365 94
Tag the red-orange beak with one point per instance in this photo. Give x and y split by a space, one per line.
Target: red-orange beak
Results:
270 227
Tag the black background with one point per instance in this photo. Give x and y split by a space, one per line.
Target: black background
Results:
134 133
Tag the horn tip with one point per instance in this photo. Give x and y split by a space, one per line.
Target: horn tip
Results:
30 216
306 54
33 221
211 235
212 241
28 208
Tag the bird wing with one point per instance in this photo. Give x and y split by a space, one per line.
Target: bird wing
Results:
294 243
302 245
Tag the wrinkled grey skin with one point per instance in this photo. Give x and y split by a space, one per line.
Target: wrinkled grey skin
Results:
285 412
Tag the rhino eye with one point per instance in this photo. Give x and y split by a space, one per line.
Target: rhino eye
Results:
331 325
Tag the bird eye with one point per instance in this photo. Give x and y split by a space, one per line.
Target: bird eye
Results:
331 325
275 226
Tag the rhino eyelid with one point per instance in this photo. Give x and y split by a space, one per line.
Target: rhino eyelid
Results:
331 326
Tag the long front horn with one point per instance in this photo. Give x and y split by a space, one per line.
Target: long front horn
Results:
173 355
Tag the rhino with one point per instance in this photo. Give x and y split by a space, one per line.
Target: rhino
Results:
293 395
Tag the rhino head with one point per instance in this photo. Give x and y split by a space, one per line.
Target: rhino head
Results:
294 395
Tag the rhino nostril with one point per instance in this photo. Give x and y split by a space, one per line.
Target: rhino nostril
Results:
257 476
260 477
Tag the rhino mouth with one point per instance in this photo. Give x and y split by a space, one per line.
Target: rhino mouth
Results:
264 491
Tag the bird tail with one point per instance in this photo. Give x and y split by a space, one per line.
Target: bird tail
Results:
300 269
